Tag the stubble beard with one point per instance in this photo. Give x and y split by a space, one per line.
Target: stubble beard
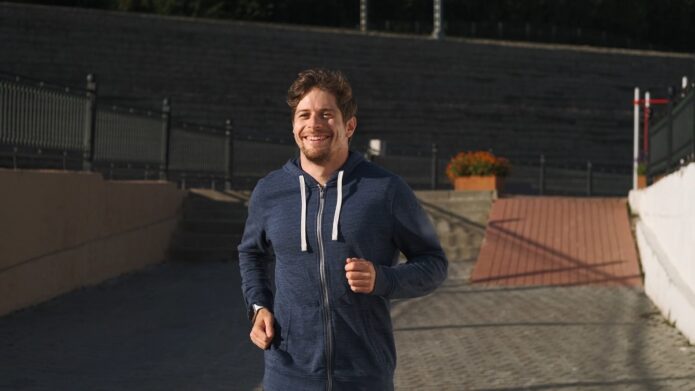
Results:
315 156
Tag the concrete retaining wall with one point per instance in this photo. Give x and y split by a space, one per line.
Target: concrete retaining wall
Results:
63 230
666 241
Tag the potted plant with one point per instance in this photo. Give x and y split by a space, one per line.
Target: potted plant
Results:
477 170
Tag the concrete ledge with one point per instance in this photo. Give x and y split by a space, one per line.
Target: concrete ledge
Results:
64 230
665 235
664 285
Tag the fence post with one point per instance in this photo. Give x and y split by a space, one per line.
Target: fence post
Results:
692 142
363 16
229 153
166 136
89 124
438 19
670 128
541 181
435 166
589 179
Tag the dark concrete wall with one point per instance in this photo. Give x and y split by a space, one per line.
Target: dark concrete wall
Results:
519 99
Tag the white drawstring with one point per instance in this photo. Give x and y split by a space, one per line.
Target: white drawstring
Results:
336 216
338 205
302 188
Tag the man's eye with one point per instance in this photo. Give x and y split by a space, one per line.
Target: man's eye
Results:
326 115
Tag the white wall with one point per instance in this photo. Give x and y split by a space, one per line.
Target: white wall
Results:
666 242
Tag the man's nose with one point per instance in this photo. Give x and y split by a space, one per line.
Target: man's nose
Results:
315 120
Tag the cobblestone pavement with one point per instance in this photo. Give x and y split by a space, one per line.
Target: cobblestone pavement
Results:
466 337
180 326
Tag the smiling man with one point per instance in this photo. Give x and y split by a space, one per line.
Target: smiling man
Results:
336 225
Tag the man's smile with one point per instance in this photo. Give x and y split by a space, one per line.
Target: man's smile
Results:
316 139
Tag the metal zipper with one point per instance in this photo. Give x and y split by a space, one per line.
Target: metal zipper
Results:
324 287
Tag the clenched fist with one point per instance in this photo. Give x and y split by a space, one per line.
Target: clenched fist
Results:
262 332
360 274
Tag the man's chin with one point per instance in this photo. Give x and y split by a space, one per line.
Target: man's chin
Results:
316 157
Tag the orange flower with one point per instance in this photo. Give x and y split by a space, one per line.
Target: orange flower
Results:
479 163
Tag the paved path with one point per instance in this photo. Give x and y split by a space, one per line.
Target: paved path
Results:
558 241
181 327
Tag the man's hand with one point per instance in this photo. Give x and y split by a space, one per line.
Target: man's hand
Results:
262 332
360 274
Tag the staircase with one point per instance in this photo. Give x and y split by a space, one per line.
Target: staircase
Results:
459 218
212 226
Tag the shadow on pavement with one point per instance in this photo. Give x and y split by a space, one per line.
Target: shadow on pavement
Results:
170 326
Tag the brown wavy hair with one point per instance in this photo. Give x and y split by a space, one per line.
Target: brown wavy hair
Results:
331 81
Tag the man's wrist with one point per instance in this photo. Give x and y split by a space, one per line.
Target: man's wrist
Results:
255 308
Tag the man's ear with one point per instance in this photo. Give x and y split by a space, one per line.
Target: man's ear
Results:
350 126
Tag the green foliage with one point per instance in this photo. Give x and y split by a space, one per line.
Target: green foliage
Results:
476 163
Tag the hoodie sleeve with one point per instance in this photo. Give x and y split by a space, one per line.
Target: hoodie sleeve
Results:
254 251
413 234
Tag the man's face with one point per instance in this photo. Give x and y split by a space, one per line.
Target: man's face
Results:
319 129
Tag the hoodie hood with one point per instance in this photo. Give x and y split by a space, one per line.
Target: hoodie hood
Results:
293 168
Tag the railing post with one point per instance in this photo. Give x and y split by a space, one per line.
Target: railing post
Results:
589 179
229 153
541 180
166 136
363 16
670 128
692 141
438 17
89 124
435 167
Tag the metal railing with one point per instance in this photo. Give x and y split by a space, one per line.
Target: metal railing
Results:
44 126
423 167
672 136
47 126
39 121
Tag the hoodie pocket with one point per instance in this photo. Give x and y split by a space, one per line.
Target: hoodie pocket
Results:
357 347
305 341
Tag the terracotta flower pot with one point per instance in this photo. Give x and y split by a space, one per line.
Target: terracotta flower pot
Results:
478 183
641 181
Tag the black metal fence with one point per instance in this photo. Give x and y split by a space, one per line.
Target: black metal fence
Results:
425 169
672 135
47 126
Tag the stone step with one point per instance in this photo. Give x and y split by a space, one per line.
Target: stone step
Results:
194 254
233 215
206 240
212 226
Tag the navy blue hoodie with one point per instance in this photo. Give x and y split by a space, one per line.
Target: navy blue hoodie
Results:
326 336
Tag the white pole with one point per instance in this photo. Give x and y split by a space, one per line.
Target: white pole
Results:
437 27
635 149
363 16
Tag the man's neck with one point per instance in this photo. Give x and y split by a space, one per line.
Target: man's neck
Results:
323 172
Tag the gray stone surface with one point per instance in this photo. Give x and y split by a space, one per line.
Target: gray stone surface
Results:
466 337
179 326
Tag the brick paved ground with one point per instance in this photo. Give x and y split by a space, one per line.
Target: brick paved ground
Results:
181 327
558 241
